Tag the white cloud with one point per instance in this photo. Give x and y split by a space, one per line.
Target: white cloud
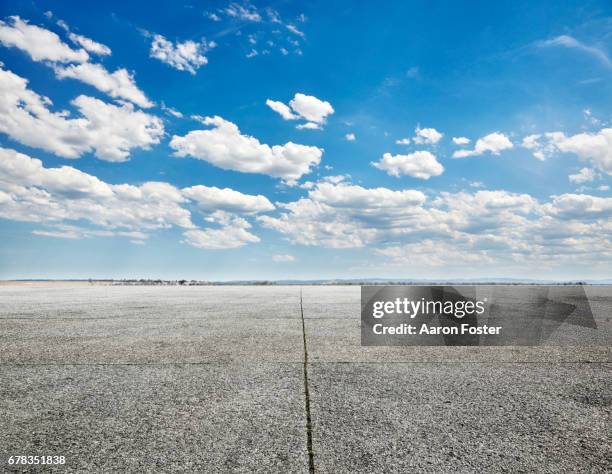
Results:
171 111
572 43
585 175
309 126
420 164
215 199
63 197
595 148
307 107
540 151
579 206
461 140
252 53
403 141
108 130
453 230
247 12
65 194
224 146
281 109
427 136
40 44
494 143
433 253
531 141
233 234
186 56
119 84
273 15
350 137
338 193
90 45
44 45
283 258
343 215
63 231
293 29
311 108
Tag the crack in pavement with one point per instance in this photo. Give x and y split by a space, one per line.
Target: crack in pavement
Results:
311 466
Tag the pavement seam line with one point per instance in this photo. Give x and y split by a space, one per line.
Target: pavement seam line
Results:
311 466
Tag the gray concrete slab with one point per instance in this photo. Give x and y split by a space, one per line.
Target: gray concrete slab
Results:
144 340
435 417
210 379
333 328
148 302
173 418
122 324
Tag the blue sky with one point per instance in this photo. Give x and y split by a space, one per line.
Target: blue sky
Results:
232 140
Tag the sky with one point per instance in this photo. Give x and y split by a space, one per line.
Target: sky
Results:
306 140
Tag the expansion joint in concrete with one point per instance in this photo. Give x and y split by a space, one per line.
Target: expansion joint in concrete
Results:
311 466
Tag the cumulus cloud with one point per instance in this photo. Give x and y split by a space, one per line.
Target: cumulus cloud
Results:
187 56
232 234
350 137
56 195
342 215
302 106
420 164
119 84
90 45
283 258
341 194
108 130
403 141
433 253
63 197
584 175
44 45
309 126
311 108
483 226
215 199
595 147
461 140
493 143
86 43
282 109
226 147
40 44
427 136
579 206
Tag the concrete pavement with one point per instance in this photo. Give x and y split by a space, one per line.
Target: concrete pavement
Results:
175 379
